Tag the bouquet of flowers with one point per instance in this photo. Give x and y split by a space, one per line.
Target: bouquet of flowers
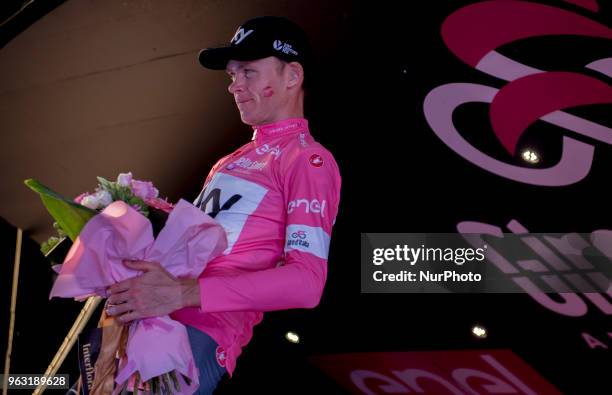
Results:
141 195
109 226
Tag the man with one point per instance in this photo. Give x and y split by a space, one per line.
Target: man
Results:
277 198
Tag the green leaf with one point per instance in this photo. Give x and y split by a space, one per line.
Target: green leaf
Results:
70 216
60 231
124 193
45 248
109 186
106 184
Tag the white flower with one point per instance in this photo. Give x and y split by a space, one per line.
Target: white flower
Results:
99 199
91 201
104 198
124 179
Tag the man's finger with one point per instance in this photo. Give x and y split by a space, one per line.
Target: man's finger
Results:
119 309
118 298
119 287
129 317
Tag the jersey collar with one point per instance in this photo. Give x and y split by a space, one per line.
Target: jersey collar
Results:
263 133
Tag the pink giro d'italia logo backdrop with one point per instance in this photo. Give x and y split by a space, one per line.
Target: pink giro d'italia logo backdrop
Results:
473 33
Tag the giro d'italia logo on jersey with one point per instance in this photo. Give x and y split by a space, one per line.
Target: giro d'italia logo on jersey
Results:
298 238
476 33
309 239
226 195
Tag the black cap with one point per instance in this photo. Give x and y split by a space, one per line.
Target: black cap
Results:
259 38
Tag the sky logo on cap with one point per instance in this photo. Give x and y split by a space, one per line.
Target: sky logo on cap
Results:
240 35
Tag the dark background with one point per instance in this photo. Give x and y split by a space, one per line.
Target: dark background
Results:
367 108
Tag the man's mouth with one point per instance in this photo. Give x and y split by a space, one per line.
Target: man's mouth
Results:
242 101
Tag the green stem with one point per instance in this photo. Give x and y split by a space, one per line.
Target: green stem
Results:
136 383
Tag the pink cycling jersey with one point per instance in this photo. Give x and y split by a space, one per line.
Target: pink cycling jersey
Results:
277 199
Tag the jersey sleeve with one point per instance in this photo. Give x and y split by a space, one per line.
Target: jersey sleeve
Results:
311 189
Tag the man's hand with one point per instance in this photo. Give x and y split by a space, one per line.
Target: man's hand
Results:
154 293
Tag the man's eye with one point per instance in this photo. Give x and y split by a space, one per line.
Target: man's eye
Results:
249 73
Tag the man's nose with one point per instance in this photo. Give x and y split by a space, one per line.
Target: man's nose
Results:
235 86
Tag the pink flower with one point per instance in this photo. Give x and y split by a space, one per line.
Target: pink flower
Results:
79 198
124 179
144 189
160 204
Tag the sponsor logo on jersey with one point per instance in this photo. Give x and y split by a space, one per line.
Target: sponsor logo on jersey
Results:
264 149
214 197
309 206
316 160
248 164
303 142
224 197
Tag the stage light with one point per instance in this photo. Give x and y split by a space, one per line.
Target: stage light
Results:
292 337
530 156
479 331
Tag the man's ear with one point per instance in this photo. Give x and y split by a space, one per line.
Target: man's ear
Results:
296 74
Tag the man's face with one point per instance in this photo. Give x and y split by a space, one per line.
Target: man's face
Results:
258 87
